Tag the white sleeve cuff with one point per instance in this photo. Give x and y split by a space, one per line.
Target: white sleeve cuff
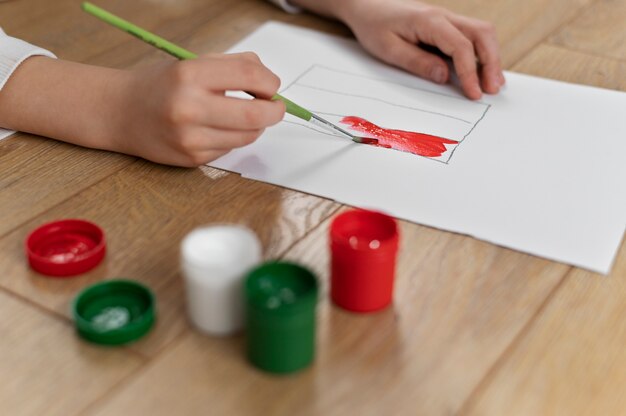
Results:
12 53
284 4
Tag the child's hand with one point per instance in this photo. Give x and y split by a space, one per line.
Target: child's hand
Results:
177 113
391 29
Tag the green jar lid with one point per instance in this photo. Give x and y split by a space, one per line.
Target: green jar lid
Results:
114 312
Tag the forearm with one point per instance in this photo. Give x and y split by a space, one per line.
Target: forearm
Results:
76 103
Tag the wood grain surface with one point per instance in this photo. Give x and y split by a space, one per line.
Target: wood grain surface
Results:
474 329
600 29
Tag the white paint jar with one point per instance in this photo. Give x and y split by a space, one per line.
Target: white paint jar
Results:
215 260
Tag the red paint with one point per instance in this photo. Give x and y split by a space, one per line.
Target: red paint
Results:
407 141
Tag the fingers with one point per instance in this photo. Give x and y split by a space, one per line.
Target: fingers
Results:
239 114
483 36
198 146
399 52
185 117
237 72
209 139
199 93
454 43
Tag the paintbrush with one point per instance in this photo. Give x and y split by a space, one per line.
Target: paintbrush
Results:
180 53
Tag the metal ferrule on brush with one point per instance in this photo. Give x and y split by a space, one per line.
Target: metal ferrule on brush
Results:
320 122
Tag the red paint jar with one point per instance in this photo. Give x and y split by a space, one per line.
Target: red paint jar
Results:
364 247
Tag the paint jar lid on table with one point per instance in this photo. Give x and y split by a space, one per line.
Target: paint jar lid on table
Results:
66 247
114 312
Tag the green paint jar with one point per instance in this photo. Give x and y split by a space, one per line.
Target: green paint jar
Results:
280 316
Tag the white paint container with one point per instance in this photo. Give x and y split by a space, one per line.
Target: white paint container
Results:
215 260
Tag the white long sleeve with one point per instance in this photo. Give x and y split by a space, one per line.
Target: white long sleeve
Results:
284 4
12 53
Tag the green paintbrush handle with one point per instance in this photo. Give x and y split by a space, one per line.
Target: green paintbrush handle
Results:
174 50
293 108
138 32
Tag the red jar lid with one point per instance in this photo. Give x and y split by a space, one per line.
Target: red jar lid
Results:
360 230
65 248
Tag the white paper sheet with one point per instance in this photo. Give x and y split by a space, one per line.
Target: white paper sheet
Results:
4 133
540 168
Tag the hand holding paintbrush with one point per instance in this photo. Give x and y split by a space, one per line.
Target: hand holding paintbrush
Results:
180 53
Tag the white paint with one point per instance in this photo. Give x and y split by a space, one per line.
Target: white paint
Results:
214 261
111 318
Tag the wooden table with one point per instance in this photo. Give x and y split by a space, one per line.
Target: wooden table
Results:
476 329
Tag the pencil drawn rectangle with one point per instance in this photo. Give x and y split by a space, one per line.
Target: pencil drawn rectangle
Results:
335 94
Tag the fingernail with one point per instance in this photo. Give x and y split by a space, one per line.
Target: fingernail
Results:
477 93
502 79
438 75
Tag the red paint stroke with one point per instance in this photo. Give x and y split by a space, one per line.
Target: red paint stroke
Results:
406 141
